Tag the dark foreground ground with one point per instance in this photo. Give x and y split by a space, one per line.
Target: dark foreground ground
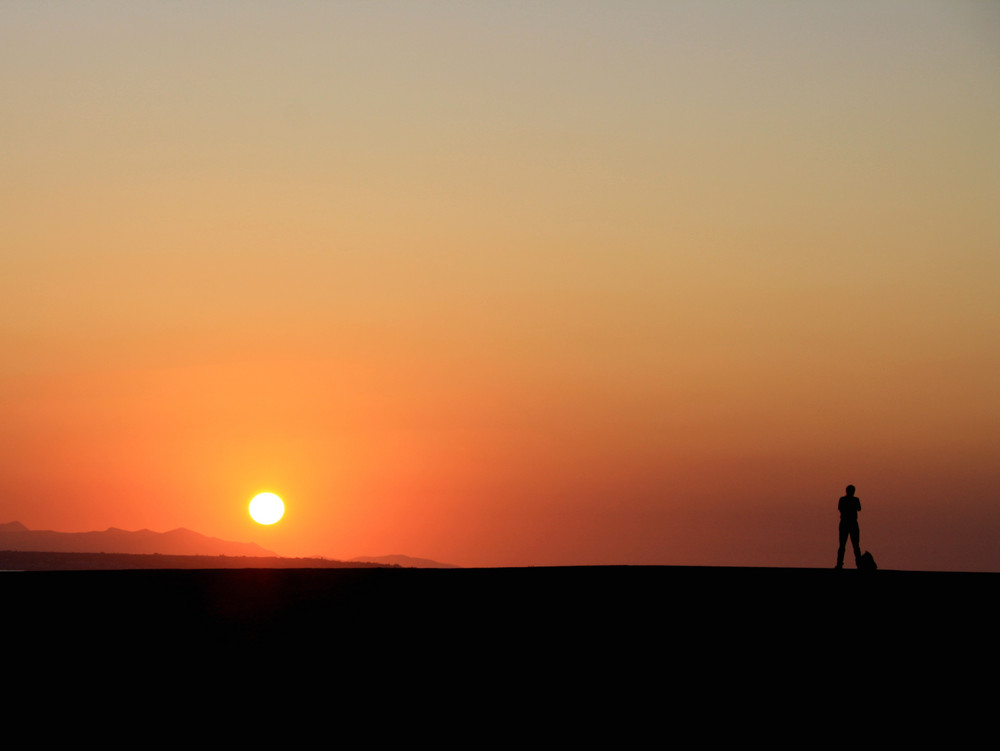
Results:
597 650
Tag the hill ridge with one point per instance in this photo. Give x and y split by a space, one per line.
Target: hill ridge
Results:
16 536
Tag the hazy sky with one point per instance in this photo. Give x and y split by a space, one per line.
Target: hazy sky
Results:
506 283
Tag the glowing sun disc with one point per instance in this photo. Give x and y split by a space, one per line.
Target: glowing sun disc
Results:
266 508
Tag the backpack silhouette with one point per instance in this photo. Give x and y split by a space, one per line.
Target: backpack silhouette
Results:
867 562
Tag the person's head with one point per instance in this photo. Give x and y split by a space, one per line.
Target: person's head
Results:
850 490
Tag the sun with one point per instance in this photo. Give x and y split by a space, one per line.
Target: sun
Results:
267 508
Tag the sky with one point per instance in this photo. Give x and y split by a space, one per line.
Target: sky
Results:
506 283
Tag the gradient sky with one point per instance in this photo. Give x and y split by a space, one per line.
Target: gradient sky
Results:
506 283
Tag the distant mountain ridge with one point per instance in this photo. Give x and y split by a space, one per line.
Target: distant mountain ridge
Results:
180 541
402 560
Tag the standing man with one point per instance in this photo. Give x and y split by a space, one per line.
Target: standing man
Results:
849 507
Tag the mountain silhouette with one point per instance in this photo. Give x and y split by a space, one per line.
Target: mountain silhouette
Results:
402 560
15 536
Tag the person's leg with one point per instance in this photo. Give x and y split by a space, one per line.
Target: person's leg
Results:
855 535
843 544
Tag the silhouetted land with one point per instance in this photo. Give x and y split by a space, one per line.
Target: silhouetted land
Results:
21 560
734 609
581 648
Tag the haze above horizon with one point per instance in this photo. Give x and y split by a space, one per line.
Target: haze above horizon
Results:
506 284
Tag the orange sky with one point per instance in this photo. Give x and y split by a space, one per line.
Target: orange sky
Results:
504 284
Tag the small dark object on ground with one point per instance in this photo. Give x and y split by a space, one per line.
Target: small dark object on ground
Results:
867 562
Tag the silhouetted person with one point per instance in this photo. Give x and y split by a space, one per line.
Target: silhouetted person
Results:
849 507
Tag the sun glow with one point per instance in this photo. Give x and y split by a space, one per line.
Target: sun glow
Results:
266 508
